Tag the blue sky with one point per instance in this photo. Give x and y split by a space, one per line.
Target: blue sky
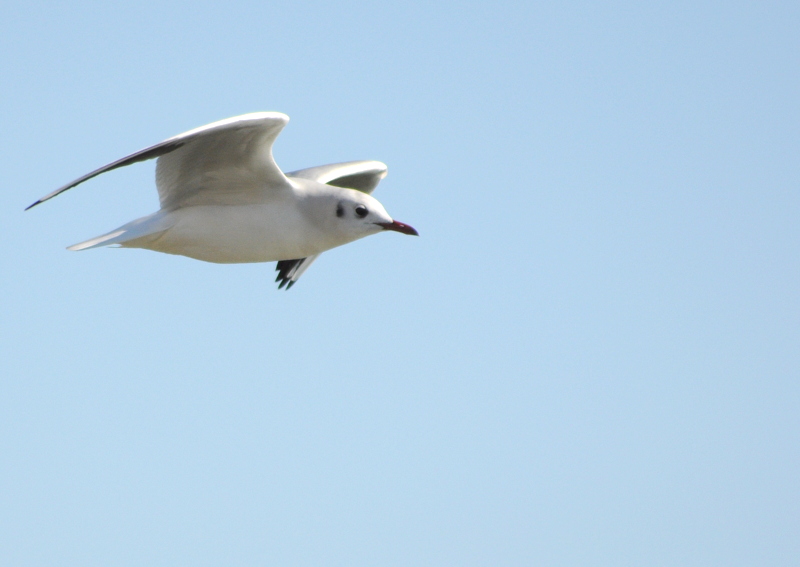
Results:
589 356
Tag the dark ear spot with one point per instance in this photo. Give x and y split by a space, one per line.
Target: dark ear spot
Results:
339 210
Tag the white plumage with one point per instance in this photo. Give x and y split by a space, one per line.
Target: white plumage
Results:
223 199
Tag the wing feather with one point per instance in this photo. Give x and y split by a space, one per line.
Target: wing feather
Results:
289 271
226 162
142 155
362 176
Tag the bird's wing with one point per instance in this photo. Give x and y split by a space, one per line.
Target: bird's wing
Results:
359 175
226 162
289 271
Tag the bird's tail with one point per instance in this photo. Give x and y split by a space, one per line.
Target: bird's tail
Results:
149 227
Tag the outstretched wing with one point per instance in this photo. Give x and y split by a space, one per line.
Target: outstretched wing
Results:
359 175
362 176
289 271
226 162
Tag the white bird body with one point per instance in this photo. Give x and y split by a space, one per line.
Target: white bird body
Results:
235 235
224 200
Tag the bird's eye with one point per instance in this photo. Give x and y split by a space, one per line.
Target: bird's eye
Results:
361 211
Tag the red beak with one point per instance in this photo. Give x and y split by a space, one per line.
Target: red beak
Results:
398 227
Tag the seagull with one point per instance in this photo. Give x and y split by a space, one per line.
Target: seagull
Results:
224 200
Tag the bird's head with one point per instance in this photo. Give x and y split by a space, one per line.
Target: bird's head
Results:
362 215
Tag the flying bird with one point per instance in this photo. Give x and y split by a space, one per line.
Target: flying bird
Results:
224 200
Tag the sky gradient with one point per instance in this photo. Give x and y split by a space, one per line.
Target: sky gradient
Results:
589 356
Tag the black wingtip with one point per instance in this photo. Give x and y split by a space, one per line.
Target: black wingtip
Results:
286 270
282 278
33 205
142 155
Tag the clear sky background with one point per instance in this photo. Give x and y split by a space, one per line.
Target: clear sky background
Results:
590 356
